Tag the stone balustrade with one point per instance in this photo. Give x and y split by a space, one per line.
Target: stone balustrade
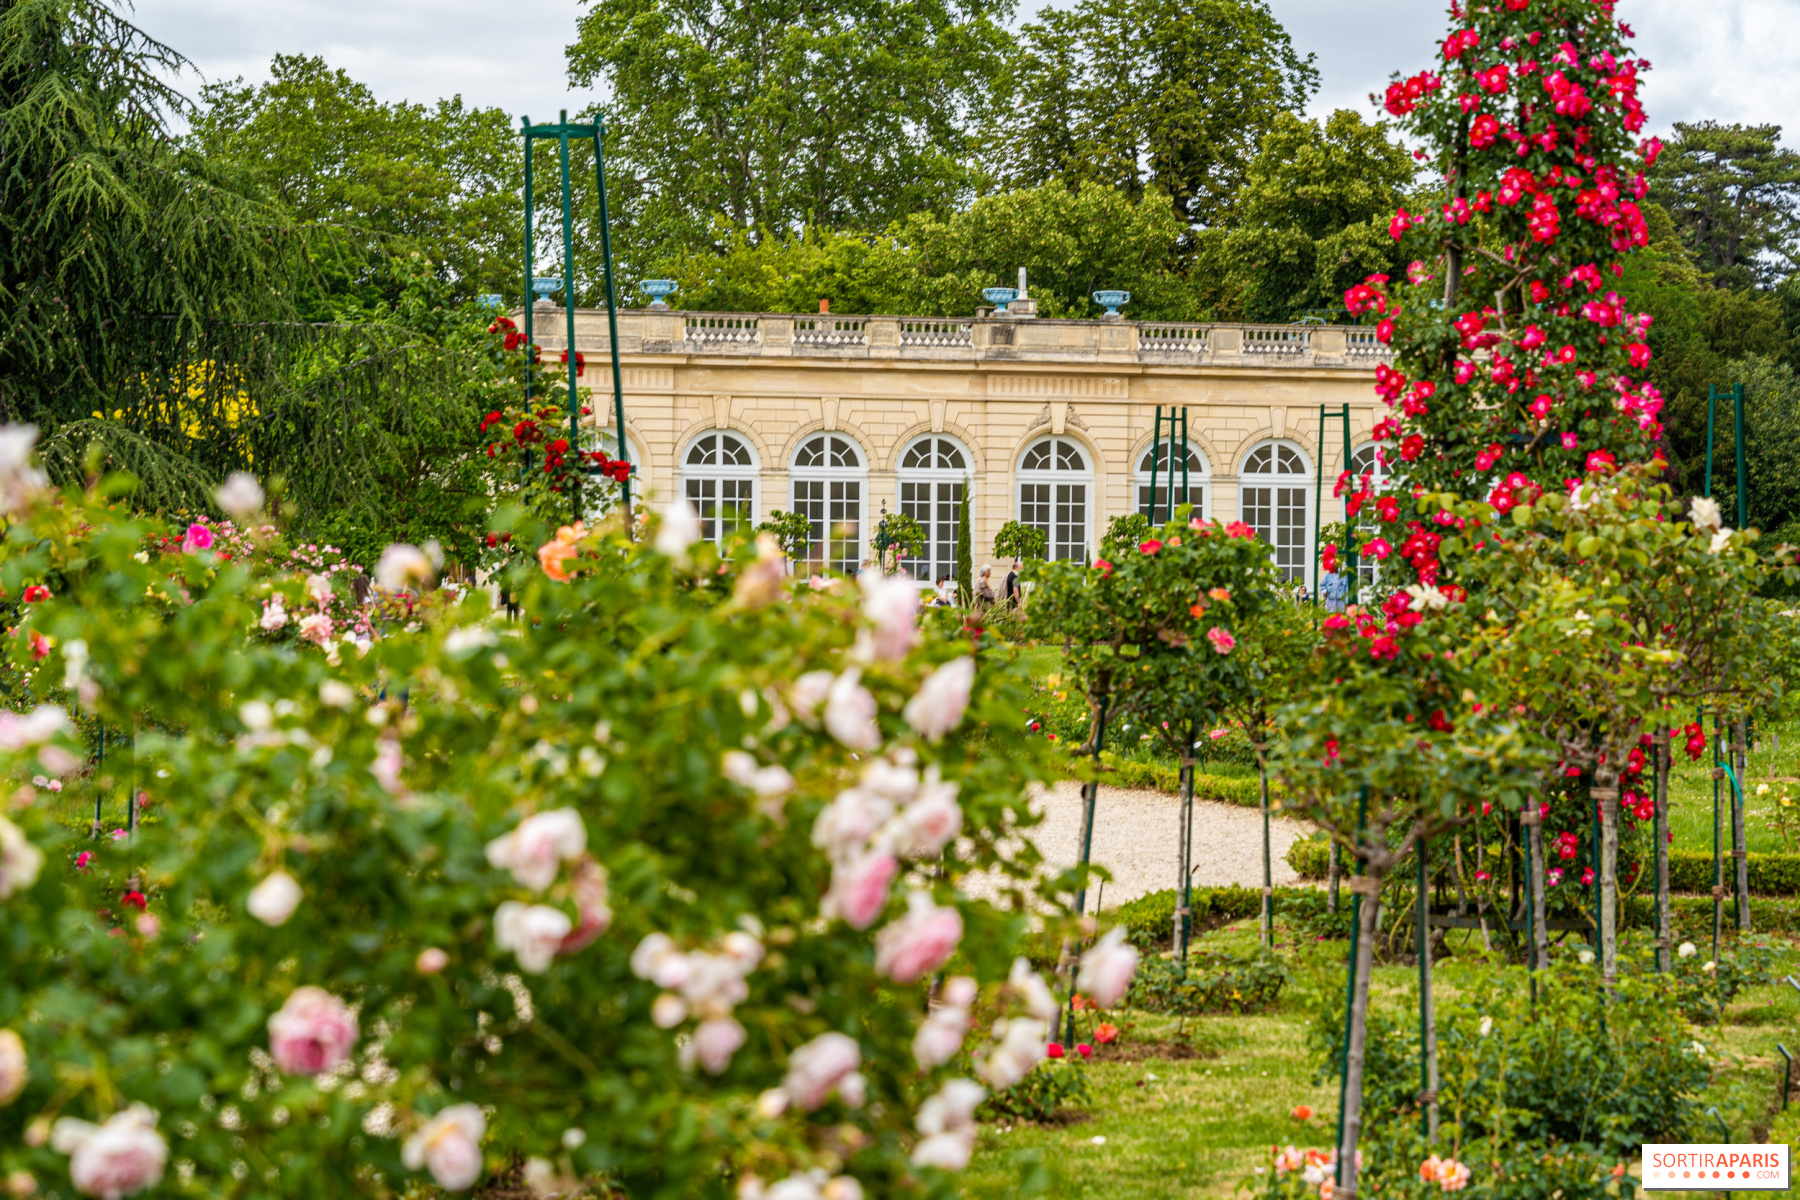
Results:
966 340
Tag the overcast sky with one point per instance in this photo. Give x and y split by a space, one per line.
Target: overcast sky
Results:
1731 60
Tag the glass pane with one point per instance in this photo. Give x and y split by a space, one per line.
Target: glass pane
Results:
1290 532
915 502
1034 506
845 515
701 496
809 501
1069 529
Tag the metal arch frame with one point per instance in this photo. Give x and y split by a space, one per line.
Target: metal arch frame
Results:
562 133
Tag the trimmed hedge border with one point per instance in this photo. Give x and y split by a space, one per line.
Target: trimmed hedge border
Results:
1149 918
1689 870
1166 777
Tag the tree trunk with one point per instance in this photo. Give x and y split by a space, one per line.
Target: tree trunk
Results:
1532 821
1428 1057
1718 889
1607 793
1331 876
1184 863
1356 1035
1664 925
1739 846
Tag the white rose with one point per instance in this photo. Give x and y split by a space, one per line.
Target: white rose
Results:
448 1146
240 497
274 900
938 706
20 861
540 843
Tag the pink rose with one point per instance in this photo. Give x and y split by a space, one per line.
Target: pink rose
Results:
449 1146
819 1066
313 1033
14 1069
1106 970
713 1043
892 602
940 1036
859 888
316 628
1221 640
938 706
845 826
588 881
274 900
274 615
532 932
538 846
120 1158
918 943
931 821
198 538
431 960
850 713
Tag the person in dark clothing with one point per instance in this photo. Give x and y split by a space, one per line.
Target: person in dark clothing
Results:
1011 591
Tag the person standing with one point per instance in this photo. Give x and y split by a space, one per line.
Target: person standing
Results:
1011 590
984 589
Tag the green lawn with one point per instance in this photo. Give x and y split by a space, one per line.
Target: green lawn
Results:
1777 755
1199 1127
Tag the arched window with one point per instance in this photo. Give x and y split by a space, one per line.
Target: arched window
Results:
933 472
1165 481
1054 480
718 477
1367 462
1272 497
827 483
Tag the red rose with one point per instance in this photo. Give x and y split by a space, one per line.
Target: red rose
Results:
1149 547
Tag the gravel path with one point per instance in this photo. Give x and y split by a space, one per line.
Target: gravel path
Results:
1135 838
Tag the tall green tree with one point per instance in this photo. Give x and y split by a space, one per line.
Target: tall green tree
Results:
777 113
1734 193
443 179
1312 217
1165 95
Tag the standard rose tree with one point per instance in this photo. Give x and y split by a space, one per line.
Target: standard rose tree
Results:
646 888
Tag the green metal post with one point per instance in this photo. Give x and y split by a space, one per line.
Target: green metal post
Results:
1737 429
1427 1018
1711 397
1362 812
99 818
612 308
1155 460
530 257
568 231
1718 890
1349 539
1660 784
1186 496
1268 896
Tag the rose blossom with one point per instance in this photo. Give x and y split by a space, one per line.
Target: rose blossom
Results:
20 861
657 960
850 712
122 1157
808 692
538 845
241 497
680 529
35 727
859 888
198 538
845 826
431 960
316 628
1022 1047
761 582
938 706
313 1033
274 900
713 1043
929 823
892 602
1106 970
402 565
533 932
274 615
920 942
1221 641
14 1069
819 1066
948 1122
448 1146
1031 987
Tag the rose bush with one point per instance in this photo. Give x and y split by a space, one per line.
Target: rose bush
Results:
644 887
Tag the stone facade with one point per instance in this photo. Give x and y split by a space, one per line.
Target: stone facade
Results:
996 386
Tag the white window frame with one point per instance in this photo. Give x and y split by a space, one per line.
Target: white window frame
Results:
1059 481
1265 514
835 480
1200 479
934 477
1368 570
711 477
